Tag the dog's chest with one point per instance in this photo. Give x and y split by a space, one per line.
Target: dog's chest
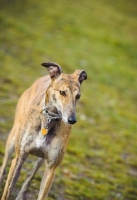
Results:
53 143
40 142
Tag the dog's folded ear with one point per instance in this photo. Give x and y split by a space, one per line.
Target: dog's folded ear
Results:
81 75
54 69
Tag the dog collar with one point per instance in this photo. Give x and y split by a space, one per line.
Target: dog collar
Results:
49 120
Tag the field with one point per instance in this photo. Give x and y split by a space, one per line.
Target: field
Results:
101 38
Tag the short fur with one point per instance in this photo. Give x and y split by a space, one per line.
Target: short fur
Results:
59 91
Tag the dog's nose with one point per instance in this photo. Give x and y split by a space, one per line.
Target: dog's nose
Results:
72 119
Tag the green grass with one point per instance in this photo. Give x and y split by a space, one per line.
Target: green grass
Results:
100 37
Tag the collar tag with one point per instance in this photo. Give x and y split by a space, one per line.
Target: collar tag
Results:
44 131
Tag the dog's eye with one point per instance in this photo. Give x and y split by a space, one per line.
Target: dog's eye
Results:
78 96
63 93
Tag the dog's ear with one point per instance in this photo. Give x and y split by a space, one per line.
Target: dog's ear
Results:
54 69
81 75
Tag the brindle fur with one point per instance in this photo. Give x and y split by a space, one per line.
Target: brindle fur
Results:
26 136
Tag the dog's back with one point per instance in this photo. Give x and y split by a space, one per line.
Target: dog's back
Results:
31 97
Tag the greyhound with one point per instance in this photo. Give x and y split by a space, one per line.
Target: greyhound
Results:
43 119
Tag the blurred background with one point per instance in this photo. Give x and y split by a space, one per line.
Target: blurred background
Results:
101 38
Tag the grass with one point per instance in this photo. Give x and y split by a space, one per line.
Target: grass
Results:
100 37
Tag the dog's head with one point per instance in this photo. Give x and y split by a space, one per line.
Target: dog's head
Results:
64 91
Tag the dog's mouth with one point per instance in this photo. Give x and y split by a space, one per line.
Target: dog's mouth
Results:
60 114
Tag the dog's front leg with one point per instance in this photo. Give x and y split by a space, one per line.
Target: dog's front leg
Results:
13 175
46 182
25 186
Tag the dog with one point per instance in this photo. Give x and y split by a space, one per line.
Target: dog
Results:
44 115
